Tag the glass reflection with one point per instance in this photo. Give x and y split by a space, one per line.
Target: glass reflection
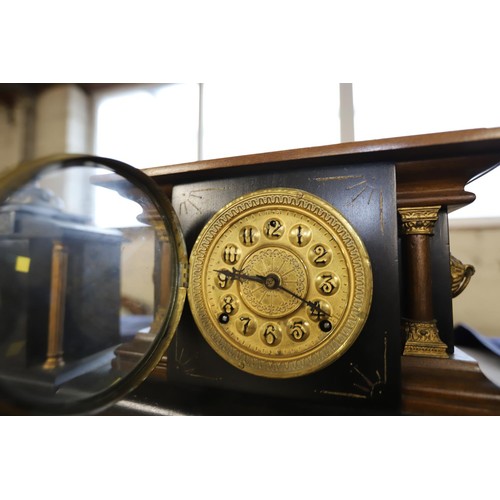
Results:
80 296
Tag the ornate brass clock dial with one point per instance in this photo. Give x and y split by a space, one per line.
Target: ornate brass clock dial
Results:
280 283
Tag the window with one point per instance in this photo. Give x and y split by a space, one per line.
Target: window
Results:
260 117
148 126
152 125
398 109
144 126
165 124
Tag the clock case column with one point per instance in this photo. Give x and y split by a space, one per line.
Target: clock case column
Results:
421 333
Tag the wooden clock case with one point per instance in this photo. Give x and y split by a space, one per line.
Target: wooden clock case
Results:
397 194
430 171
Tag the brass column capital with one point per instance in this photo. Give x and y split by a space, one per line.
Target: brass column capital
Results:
418 220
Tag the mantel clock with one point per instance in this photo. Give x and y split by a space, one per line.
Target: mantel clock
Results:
308 275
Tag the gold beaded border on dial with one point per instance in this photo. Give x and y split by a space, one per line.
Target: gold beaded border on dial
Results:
359 267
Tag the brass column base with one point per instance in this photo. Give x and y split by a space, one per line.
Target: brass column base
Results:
422 339
53 362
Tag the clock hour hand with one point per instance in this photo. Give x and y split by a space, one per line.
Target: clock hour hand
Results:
240 275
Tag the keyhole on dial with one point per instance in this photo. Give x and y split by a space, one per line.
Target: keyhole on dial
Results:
325 325
224 318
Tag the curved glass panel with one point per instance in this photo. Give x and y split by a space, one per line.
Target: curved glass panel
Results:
88 281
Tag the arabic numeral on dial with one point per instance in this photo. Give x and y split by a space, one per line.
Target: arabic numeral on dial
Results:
273 229
223 281
327 283
318 310
246 325
320 255
231 254
271 334
298 329
229 304
300 235
249 235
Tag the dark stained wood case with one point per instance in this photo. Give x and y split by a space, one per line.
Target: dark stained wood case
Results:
368 375
431 169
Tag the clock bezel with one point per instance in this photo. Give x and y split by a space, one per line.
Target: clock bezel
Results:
98 402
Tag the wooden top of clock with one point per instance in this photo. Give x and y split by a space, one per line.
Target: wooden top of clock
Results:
430 168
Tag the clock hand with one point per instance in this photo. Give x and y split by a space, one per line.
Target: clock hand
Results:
240 275
272 282
268 280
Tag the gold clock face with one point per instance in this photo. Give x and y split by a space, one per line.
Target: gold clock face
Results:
280 283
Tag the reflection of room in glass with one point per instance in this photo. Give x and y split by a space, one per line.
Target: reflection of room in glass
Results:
113 210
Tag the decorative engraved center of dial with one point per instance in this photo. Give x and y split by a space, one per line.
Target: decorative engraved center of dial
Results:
281 268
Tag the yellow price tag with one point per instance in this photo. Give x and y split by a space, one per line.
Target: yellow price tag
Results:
23 264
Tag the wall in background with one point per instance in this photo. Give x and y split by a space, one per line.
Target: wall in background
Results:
478 306
13 132
57 120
